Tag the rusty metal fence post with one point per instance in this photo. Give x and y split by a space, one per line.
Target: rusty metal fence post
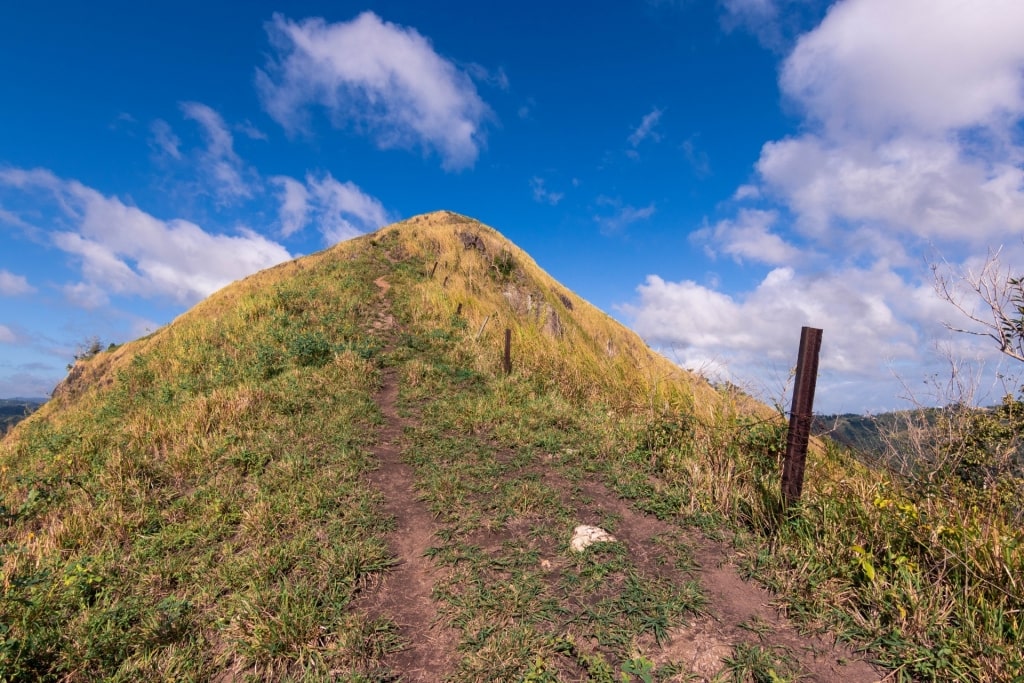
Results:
508 352
801 414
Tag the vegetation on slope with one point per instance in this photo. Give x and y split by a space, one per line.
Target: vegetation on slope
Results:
194 504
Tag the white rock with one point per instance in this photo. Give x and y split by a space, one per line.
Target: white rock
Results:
584 535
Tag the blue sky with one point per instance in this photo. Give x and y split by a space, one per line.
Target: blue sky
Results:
714 174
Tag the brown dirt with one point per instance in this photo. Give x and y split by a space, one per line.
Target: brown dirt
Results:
405 592
732 603
737 611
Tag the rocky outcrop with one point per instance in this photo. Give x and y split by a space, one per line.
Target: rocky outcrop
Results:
529 305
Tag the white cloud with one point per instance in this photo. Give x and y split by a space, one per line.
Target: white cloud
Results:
344 211
921 187
339 210
164 139
383 79
910 148
646 129
7 336
543 195
752 337
123 250
921 66
913 109
12 285
220 164
294 211
750 238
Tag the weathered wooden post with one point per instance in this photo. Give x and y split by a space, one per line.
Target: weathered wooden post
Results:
458 309
508 351
801 414
433 270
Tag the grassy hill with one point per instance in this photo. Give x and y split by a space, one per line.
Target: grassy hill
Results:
324 472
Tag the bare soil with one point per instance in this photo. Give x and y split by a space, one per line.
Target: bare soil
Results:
737 611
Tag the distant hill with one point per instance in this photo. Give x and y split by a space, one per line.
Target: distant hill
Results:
14 410
868 434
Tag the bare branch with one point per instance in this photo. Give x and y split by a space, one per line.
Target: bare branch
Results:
998 291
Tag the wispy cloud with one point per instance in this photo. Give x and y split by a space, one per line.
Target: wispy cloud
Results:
250 131
294 211
122 250
697 158
646 129
13 285
542 194
164 140
775 23
620 215
496 78
338 210
222 167
382 79
7 335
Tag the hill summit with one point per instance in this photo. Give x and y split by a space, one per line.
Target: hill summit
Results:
331 470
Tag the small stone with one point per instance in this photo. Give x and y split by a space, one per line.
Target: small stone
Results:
584 535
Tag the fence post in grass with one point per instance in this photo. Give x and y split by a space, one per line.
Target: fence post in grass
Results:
432 270
458 310
800 415
508 352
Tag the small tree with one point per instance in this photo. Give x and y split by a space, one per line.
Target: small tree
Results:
1002 298
988 445
87 349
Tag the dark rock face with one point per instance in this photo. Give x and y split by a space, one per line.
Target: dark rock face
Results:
472 241
528 305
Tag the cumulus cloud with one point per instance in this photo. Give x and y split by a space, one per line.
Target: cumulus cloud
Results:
870 323
542 194
912 110
339 210
924 188
124 250
914 66
383 79
909 147
12 285
222 167
749 237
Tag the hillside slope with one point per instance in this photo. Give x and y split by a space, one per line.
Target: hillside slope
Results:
324 472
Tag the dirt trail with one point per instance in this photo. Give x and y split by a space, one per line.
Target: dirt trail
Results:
405 593
737 611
